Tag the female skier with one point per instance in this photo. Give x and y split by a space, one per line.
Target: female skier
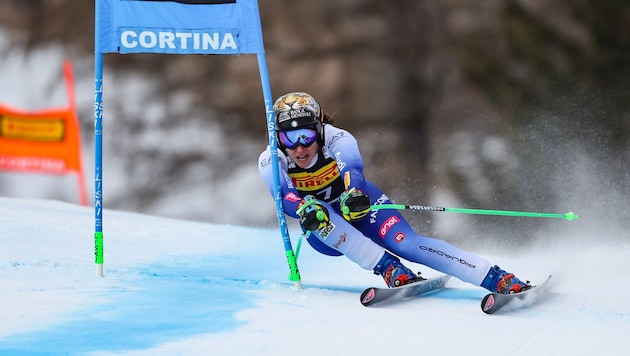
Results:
322 184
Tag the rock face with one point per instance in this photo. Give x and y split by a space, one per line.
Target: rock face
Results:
482 103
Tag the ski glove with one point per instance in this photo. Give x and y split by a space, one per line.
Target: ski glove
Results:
354 205
313 214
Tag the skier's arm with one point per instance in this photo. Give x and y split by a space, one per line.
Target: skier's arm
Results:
345 149
354 204
290 196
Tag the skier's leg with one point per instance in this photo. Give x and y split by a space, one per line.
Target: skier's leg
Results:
341 236
389 229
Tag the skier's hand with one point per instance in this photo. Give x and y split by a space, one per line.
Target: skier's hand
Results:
354 205
313 214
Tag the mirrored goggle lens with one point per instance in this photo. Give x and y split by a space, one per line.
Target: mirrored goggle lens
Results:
291 139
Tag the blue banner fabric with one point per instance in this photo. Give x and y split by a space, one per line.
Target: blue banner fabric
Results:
178 27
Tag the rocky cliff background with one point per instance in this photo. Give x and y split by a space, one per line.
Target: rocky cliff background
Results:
494 104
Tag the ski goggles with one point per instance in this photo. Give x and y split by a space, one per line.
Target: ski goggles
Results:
291 139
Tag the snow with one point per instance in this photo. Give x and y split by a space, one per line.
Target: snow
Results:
191 288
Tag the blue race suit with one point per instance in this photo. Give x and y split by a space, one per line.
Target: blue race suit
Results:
339 166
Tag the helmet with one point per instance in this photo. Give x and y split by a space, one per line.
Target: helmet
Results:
297 110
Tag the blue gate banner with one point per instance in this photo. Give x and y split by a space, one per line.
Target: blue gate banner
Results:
178 27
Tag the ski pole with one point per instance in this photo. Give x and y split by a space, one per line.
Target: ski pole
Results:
569 216
299 243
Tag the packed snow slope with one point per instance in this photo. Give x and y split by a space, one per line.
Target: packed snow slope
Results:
189 288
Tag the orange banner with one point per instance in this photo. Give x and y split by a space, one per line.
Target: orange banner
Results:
45 141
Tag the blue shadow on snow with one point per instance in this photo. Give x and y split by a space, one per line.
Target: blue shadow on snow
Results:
157 308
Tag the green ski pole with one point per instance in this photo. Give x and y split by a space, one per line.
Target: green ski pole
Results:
569 216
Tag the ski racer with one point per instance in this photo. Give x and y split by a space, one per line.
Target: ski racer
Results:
323 185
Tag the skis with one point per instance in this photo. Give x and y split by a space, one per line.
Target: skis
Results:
490 304
376 295
494 302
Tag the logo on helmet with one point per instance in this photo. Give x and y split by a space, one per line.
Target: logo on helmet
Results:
296 110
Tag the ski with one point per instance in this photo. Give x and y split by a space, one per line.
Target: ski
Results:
376 295
494 302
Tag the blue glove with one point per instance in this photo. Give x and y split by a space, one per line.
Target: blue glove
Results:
313 214
354 205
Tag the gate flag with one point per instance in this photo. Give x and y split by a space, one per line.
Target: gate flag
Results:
178 27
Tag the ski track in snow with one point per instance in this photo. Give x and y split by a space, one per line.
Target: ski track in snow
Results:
189 288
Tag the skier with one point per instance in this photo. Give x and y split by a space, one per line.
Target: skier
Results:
322 184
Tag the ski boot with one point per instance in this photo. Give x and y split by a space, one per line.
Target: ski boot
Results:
499 281
394 272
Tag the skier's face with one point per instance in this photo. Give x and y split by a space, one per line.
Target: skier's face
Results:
303 156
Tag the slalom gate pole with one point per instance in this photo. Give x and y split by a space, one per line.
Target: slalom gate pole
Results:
569 216
294 272
98 148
